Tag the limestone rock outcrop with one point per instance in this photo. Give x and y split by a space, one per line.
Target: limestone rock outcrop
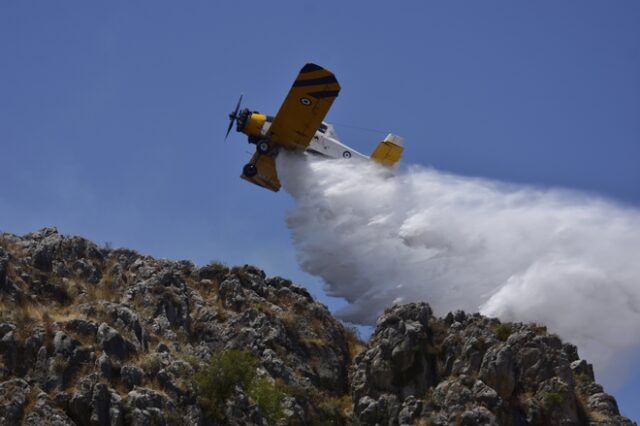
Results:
92 335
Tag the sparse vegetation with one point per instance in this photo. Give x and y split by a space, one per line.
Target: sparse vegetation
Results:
268 395
9 244
440 330
193 361
217 265
27 316
337 407
480 344
354 343
59 364
265 308
428 396
597 416
243 275
553 399
232 368
31 401
290 321
226 370
539 329
305 354
502 331
106 289
150 363
313 342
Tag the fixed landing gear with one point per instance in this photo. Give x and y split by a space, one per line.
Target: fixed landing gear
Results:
263 147
249 170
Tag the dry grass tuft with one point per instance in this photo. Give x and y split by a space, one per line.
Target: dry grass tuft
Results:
291 323
337 407
313 342
539 329
354 343
27 316
9 244
31 401
221 310
149 362
106 289
597 416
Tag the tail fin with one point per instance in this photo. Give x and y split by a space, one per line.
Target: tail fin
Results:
389 151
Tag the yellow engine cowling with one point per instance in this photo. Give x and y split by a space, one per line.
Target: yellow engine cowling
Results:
254 124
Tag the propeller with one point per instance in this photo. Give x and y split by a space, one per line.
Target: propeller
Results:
233 117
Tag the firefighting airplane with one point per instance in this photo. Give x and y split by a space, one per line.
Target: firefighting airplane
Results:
298 126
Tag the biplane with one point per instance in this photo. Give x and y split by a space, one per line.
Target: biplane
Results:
299 126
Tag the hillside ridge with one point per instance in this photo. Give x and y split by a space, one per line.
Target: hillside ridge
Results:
93 335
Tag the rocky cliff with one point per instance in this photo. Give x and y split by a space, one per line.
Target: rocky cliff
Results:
91 335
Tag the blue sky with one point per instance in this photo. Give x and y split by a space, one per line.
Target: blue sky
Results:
112 116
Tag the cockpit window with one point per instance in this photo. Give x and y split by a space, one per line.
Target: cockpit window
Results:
323 128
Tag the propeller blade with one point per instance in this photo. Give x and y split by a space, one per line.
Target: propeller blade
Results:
238 106
228 130
233 117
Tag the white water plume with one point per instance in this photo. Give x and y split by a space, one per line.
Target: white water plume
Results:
565 259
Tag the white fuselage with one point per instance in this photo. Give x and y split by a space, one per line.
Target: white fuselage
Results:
325 142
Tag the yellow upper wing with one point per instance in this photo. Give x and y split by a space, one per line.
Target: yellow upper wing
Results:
304 108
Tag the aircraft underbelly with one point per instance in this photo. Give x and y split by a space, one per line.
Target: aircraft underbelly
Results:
332 148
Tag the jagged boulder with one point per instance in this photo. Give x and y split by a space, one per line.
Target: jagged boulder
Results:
131 376
45 412
112 342
468 370
603 403
397 364
86 328
47 244
498 370
148 407
8 348
94 403
4 262
14 395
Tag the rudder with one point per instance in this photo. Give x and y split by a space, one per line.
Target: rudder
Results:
389 151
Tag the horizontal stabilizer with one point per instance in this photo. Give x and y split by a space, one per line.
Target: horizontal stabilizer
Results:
389 151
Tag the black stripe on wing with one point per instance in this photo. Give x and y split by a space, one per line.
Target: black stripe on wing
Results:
324 94
315 81
310 68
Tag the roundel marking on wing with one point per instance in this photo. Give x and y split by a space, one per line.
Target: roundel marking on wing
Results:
346 154
305 101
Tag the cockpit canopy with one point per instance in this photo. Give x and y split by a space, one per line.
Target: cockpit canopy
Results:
328 130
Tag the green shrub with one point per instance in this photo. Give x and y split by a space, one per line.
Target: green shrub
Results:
553 399
216 382
503 331
268 395
232 368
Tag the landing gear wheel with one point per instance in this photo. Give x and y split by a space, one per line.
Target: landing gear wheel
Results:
250 170
263 147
